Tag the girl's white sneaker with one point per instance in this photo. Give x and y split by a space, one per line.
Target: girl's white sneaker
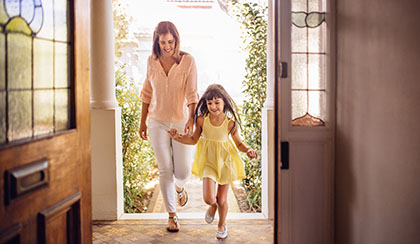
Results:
221 235
208 218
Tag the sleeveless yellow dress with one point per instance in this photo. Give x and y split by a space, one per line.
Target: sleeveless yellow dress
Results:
216 156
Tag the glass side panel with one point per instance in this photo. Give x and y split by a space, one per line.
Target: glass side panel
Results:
300 71
316 6
316 71
12 7
19 115
43 112
300 38
300 103
299 5
47 30
61 65
316 38
19 61
62 109
2 62
2 117
317 104
3 15
27 10
43 63
61 20
37 21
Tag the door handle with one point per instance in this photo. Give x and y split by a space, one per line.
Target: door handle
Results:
284 147
283 69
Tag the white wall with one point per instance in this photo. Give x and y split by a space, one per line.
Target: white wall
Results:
378 129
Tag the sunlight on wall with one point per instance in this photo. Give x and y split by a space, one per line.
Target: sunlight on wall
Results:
207 33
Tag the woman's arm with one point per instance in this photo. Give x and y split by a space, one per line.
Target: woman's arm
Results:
143 126
238 142
189 125
187 139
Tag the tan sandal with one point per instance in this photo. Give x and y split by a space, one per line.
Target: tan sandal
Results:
173 221
180 197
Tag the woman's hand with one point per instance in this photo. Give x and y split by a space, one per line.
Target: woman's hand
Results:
251 153
143 131
189 126
173 133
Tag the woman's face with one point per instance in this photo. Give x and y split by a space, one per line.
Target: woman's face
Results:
167 44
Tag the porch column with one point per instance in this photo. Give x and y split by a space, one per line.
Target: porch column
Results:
267 150
106 149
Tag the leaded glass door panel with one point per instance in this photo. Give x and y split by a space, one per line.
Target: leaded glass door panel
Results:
305 112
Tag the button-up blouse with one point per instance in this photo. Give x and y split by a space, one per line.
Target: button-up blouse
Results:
169 95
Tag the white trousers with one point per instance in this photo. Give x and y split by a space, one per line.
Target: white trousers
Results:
174 159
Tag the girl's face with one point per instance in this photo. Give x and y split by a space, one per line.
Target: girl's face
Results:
215 106
167 44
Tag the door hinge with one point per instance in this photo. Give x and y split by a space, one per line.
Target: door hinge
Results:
283 69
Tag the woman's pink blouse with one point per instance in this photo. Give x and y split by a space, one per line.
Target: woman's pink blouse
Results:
169 95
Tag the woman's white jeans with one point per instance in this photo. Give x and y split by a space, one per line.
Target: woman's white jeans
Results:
174 159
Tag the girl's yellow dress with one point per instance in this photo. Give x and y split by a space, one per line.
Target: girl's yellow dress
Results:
216 156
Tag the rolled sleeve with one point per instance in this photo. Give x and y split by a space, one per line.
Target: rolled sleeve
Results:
191 84
147 91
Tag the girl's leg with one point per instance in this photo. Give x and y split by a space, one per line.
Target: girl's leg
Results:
161 143
209 195
222 204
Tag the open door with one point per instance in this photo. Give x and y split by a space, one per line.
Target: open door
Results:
305 123
44 122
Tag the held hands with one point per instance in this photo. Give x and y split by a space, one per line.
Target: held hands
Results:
174 134
251 153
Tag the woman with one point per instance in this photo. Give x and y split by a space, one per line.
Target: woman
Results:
169 97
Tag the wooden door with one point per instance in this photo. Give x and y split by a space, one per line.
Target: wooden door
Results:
45 186
305 116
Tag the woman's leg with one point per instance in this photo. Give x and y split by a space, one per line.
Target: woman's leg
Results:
161 143
222 204
183 158
209 195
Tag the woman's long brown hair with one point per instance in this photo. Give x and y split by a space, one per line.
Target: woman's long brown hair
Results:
164 28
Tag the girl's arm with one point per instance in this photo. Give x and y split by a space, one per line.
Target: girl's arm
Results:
251 153
186 139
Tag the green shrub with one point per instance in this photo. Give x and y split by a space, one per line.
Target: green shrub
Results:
138 157
253 18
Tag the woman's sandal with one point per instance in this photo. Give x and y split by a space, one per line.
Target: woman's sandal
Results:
180 196
173 220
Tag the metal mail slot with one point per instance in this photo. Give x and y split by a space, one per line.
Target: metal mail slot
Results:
26 178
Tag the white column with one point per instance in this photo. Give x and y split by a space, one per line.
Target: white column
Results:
267 150
106 148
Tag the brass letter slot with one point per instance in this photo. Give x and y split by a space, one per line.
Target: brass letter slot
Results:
26 178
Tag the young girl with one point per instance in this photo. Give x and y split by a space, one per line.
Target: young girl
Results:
216 160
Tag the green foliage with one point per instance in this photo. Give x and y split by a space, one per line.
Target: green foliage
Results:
138 158
253 18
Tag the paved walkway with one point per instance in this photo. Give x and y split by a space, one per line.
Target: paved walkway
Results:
195 203
192 231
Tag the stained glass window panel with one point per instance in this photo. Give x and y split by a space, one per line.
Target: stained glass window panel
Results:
300 37
47 30
2 62
19 115
2 116
316 6
61 20
299 5
27 9
43 112
61 65
299 72
3 15
19 61
62 115
316 38
316 71
300 102
43 63
317 104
